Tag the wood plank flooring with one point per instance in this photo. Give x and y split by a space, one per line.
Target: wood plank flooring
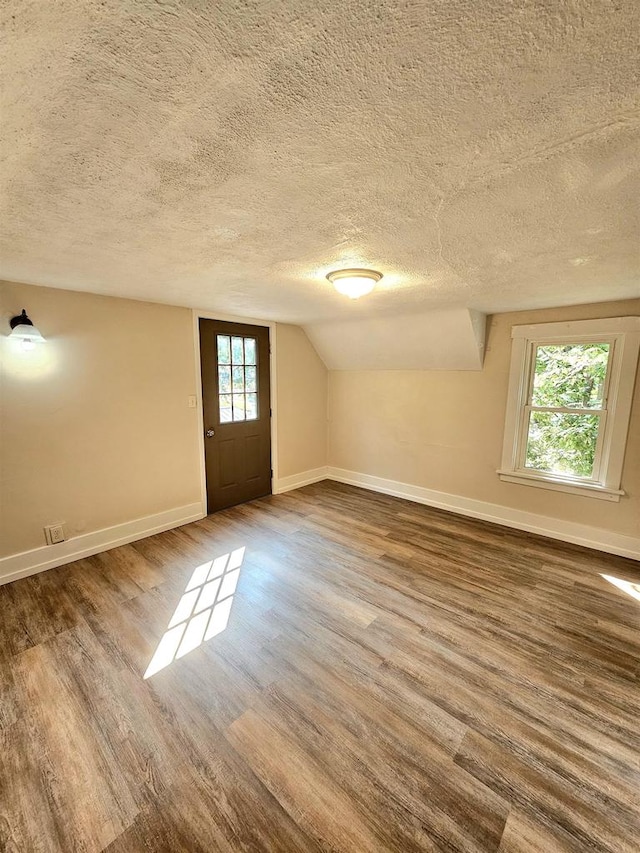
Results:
391 678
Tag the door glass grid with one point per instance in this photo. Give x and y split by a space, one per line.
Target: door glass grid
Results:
237 378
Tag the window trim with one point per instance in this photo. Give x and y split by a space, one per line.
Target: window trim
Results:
623 333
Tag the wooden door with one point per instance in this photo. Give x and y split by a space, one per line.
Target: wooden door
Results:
237 416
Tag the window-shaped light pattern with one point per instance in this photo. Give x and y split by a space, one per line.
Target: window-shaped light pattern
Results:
632 588
237 378
566 410
202 612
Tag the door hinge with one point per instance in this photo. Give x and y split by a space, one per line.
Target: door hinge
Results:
272 473
270 413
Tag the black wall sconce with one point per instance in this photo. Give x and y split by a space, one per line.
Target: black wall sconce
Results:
22 329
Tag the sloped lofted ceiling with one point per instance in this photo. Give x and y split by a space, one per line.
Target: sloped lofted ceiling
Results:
482 155
440 339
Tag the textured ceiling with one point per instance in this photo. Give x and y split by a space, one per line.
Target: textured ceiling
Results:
226 155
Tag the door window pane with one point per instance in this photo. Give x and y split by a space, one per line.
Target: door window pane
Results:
225 408
570 375
252 407
224 349
224 379
250 351
238 407
250 379
562 443
237 351
238 380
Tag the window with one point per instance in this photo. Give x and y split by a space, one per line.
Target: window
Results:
570 392
237 378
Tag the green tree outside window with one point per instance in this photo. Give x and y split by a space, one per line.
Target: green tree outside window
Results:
567 376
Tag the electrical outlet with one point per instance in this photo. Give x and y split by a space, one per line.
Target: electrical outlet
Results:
54 533
192 401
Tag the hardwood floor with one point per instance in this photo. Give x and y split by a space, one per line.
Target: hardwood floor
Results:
391 678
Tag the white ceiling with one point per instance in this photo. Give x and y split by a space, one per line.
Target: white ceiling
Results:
226 155
441 339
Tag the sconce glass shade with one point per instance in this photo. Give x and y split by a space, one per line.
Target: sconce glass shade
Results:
354 283
23 330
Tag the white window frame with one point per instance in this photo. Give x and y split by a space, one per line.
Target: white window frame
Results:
623 335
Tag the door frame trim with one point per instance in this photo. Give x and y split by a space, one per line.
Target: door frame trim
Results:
196 314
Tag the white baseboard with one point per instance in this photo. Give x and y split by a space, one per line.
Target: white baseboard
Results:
566 531
49 556
297 481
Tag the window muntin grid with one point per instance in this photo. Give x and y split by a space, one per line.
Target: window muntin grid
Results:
237 378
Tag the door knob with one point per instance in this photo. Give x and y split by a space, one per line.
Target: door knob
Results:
209 433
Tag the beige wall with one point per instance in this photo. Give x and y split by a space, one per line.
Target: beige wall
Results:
302 403
95 423
95 428
443 430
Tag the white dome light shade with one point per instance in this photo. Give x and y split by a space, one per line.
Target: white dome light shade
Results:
23 330
354 283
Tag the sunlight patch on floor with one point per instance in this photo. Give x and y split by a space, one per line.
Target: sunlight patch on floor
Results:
202 612
631 588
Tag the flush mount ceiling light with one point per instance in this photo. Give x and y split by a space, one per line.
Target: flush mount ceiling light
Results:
354 283
23 330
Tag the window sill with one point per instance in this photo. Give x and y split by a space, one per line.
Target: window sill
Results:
587 490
